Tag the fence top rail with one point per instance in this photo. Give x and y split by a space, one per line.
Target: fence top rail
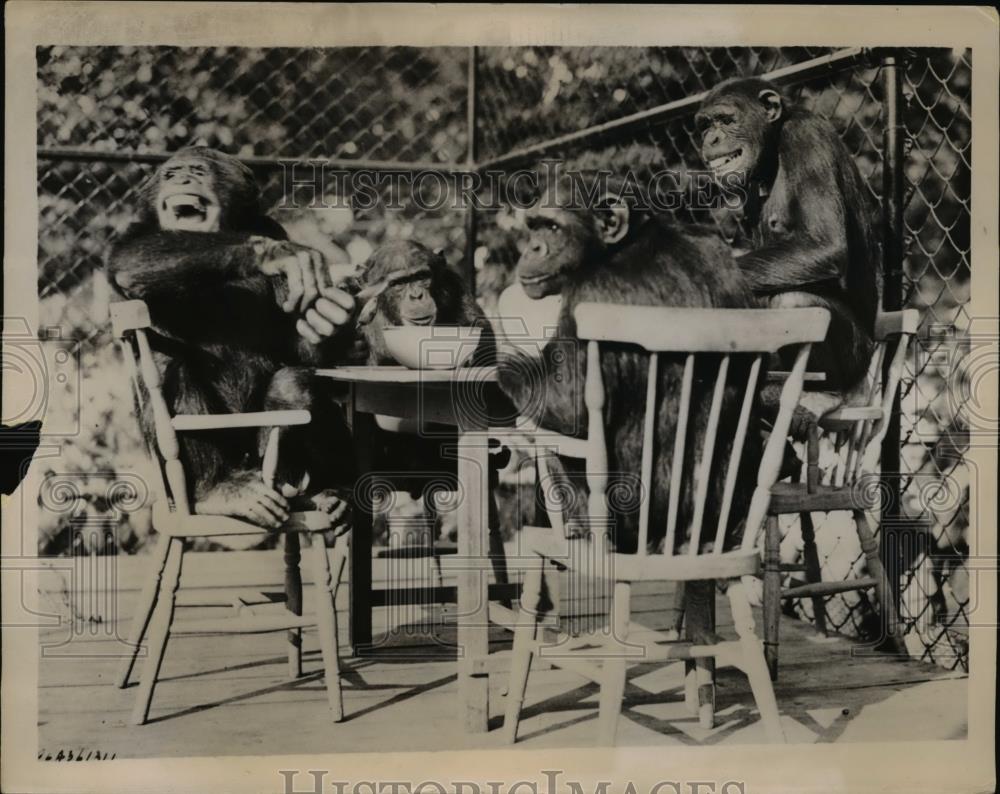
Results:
825 64
83 154
798 72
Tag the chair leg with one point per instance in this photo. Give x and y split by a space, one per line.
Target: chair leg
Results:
883 592
691 687
144 610
615 667
754 664
326 578
690 675
810 556
159 630
293 602
679 599
699 674
772 593
525 633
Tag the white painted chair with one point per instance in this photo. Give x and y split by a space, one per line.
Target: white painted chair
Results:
603 656
175 523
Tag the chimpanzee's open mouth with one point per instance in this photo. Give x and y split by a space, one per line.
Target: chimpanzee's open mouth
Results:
541 278
426 319
725 159
187 209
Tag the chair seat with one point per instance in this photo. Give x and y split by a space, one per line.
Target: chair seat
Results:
544 542
795 497
176 525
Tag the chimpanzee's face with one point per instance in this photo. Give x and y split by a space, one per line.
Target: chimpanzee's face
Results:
727 145
568 232
558 243
187 199
413 302
734 128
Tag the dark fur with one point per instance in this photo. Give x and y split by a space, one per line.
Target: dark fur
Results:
219 334
809 217
655 265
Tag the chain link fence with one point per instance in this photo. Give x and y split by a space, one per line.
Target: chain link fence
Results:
106 114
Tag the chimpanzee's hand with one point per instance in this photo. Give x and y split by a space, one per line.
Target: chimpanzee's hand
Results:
304 270
331 311
245 495
322 306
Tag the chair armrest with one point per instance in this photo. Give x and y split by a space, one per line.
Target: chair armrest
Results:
249 419
539 437
856 413
207 526
780 376
537 544
128 316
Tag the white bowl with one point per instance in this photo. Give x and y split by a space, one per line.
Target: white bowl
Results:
431 346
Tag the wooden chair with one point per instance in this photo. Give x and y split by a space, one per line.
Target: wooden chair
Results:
603 656
853 430
175 523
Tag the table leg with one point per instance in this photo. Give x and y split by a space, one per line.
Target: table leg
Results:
360 617
473 581
498 556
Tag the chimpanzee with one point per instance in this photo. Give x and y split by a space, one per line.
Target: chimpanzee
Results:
614 253
235 306
806 212
405 283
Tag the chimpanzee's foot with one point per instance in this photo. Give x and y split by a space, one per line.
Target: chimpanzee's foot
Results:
812 407
330 501
245 496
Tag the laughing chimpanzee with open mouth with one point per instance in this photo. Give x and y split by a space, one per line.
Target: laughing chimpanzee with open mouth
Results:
237 309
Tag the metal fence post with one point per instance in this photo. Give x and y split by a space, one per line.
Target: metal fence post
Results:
470 159
892 298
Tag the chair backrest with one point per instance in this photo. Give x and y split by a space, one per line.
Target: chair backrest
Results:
715 334
130 321
893 331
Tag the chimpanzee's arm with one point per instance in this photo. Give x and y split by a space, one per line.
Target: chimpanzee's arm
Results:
153 263
792 266
812 252
342 347
801 240
544 388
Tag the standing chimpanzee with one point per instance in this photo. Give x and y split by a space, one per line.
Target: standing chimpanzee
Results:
806 212
614 253
406 283
234 305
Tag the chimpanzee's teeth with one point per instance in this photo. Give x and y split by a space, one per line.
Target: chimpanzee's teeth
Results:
186 204
726 159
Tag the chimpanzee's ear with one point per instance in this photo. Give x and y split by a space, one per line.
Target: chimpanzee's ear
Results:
771 100
611 217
